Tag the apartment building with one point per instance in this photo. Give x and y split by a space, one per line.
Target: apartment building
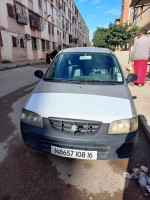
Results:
117 20
125 12
31 28
141 13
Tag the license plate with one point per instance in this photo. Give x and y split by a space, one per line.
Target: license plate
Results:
73 153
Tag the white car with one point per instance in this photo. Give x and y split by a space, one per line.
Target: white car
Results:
82 107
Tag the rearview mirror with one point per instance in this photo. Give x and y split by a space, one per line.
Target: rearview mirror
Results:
39 74
85 57
131 78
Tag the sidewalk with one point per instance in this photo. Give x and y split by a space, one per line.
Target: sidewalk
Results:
141 101
20 64
141 95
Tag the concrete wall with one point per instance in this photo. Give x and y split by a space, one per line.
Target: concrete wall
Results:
125 11
144 18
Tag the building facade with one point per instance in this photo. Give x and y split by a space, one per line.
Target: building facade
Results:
125 12
30 28
117 20
142 16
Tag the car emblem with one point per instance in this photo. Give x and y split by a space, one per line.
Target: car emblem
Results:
74 128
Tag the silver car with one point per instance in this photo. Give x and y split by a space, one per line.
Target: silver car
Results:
82 107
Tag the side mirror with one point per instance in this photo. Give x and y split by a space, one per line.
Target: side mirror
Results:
131 78
39 74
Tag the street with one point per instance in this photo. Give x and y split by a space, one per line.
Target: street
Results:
26 174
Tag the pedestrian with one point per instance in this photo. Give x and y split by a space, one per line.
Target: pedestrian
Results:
54 53
140 54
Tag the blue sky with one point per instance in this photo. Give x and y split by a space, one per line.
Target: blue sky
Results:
98 13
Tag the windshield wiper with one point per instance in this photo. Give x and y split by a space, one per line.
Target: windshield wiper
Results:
98 81
62 80
83 81
55 79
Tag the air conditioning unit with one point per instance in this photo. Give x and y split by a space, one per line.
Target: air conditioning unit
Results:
28 37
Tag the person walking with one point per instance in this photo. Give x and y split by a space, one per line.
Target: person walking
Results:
140 55
54 53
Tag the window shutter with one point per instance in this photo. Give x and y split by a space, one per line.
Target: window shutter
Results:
14 41
21 43
21 14
11 11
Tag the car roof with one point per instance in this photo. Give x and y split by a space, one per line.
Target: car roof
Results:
88 50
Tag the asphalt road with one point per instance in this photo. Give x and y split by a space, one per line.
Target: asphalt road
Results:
29 175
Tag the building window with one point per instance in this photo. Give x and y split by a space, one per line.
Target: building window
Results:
58 32
31 1
141 12
21 43
63 6
49 29
69 14
11 11
52 30
47 44
59 15
51 11
14 41
34 43
76 11
67 25
45 5
43 44
36 22
40 3
53 45
21 14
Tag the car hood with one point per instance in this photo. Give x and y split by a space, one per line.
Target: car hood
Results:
83 102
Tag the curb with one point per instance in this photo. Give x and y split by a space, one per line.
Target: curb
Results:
144 125
14 66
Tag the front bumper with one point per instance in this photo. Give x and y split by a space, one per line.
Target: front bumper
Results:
108 146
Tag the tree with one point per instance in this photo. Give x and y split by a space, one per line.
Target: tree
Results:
100 36
90 43
115 35
119 35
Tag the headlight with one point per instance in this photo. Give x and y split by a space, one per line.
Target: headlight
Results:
123 126
31 118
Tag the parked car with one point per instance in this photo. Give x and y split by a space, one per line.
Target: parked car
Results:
82 107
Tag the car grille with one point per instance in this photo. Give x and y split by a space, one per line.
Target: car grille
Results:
75 127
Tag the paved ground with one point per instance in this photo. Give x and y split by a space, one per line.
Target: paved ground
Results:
9 65
28 175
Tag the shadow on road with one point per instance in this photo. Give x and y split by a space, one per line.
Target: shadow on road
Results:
6 102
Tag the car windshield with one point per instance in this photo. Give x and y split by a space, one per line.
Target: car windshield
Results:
85 67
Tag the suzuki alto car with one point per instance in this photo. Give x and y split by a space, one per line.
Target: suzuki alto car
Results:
82 107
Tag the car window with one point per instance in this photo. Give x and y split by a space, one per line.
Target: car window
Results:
85 66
